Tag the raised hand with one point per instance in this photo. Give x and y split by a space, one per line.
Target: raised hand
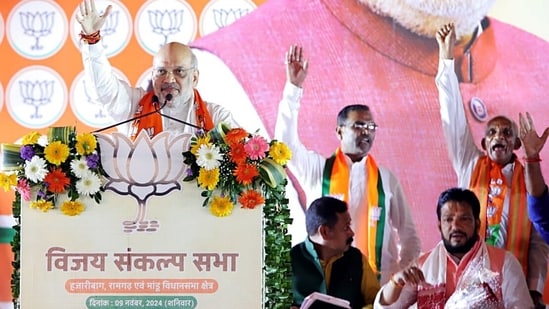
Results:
296 65
446 39
89 18
531 142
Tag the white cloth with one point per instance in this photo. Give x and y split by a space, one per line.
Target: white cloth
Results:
513 286
308 167
120 100
464 154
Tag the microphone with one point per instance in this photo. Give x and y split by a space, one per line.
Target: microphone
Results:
155 100
159 111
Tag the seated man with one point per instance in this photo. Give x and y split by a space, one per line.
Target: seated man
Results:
346 272
456 263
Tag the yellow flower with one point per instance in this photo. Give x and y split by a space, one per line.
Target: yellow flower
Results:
8 181
31 138
72 208
56 152
208 179
203 140
221 206
280 153
42 205
85 143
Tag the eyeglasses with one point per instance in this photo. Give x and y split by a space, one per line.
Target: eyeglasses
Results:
361 126
177 72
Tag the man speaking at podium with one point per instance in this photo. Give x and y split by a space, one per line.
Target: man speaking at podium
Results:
174 78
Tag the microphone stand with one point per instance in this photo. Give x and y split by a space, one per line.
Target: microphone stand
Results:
156 110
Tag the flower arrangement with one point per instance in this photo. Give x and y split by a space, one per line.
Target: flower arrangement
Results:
234 166
61 162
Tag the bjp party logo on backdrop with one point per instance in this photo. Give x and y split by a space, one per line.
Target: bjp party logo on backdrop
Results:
161 21
221 13
85 104
116 32
36 97
37 29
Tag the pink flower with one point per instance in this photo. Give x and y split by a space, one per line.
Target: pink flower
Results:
256 147
23 188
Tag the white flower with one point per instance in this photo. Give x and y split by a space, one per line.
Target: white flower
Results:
208 157
35 169
89 184
79 167
43 141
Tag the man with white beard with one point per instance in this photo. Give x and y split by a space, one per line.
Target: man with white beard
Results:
173 81
381 53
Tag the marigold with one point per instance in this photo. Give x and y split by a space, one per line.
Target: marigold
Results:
280 153
72 208
221 206
235 136
56 152
31 138
85 143
208 179
251 199
57 181
245 173
42 205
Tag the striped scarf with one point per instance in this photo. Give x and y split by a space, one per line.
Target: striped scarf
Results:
369 239
153 123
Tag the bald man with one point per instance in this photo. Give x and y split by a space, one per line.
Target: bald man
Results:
173 80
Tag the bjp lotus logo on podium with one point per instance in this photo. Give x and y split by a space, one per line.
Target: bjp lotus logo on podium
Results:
123 164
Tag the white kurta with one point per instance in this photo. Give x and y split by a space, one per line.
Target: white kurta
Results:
464 154
401 245
120 100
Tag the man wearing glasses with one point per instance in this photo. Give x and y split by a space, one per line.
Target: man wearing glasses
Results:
377 205
173 81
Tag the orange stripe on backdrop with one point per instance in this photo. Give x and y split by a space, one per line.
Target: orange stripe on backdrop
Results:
132 61
5 272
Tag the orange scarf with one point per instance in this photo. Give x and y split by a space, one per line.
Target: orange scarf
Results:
153 123
369 239
518 234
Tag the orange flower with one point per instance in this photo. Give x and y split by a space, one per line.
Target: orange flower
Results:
245 173
57 181
235 136
237 153
250 199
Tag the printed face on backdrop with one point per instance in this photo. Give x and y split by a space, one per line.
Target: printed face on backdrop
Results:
466 14
458 227
500 140
174 72
358 134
